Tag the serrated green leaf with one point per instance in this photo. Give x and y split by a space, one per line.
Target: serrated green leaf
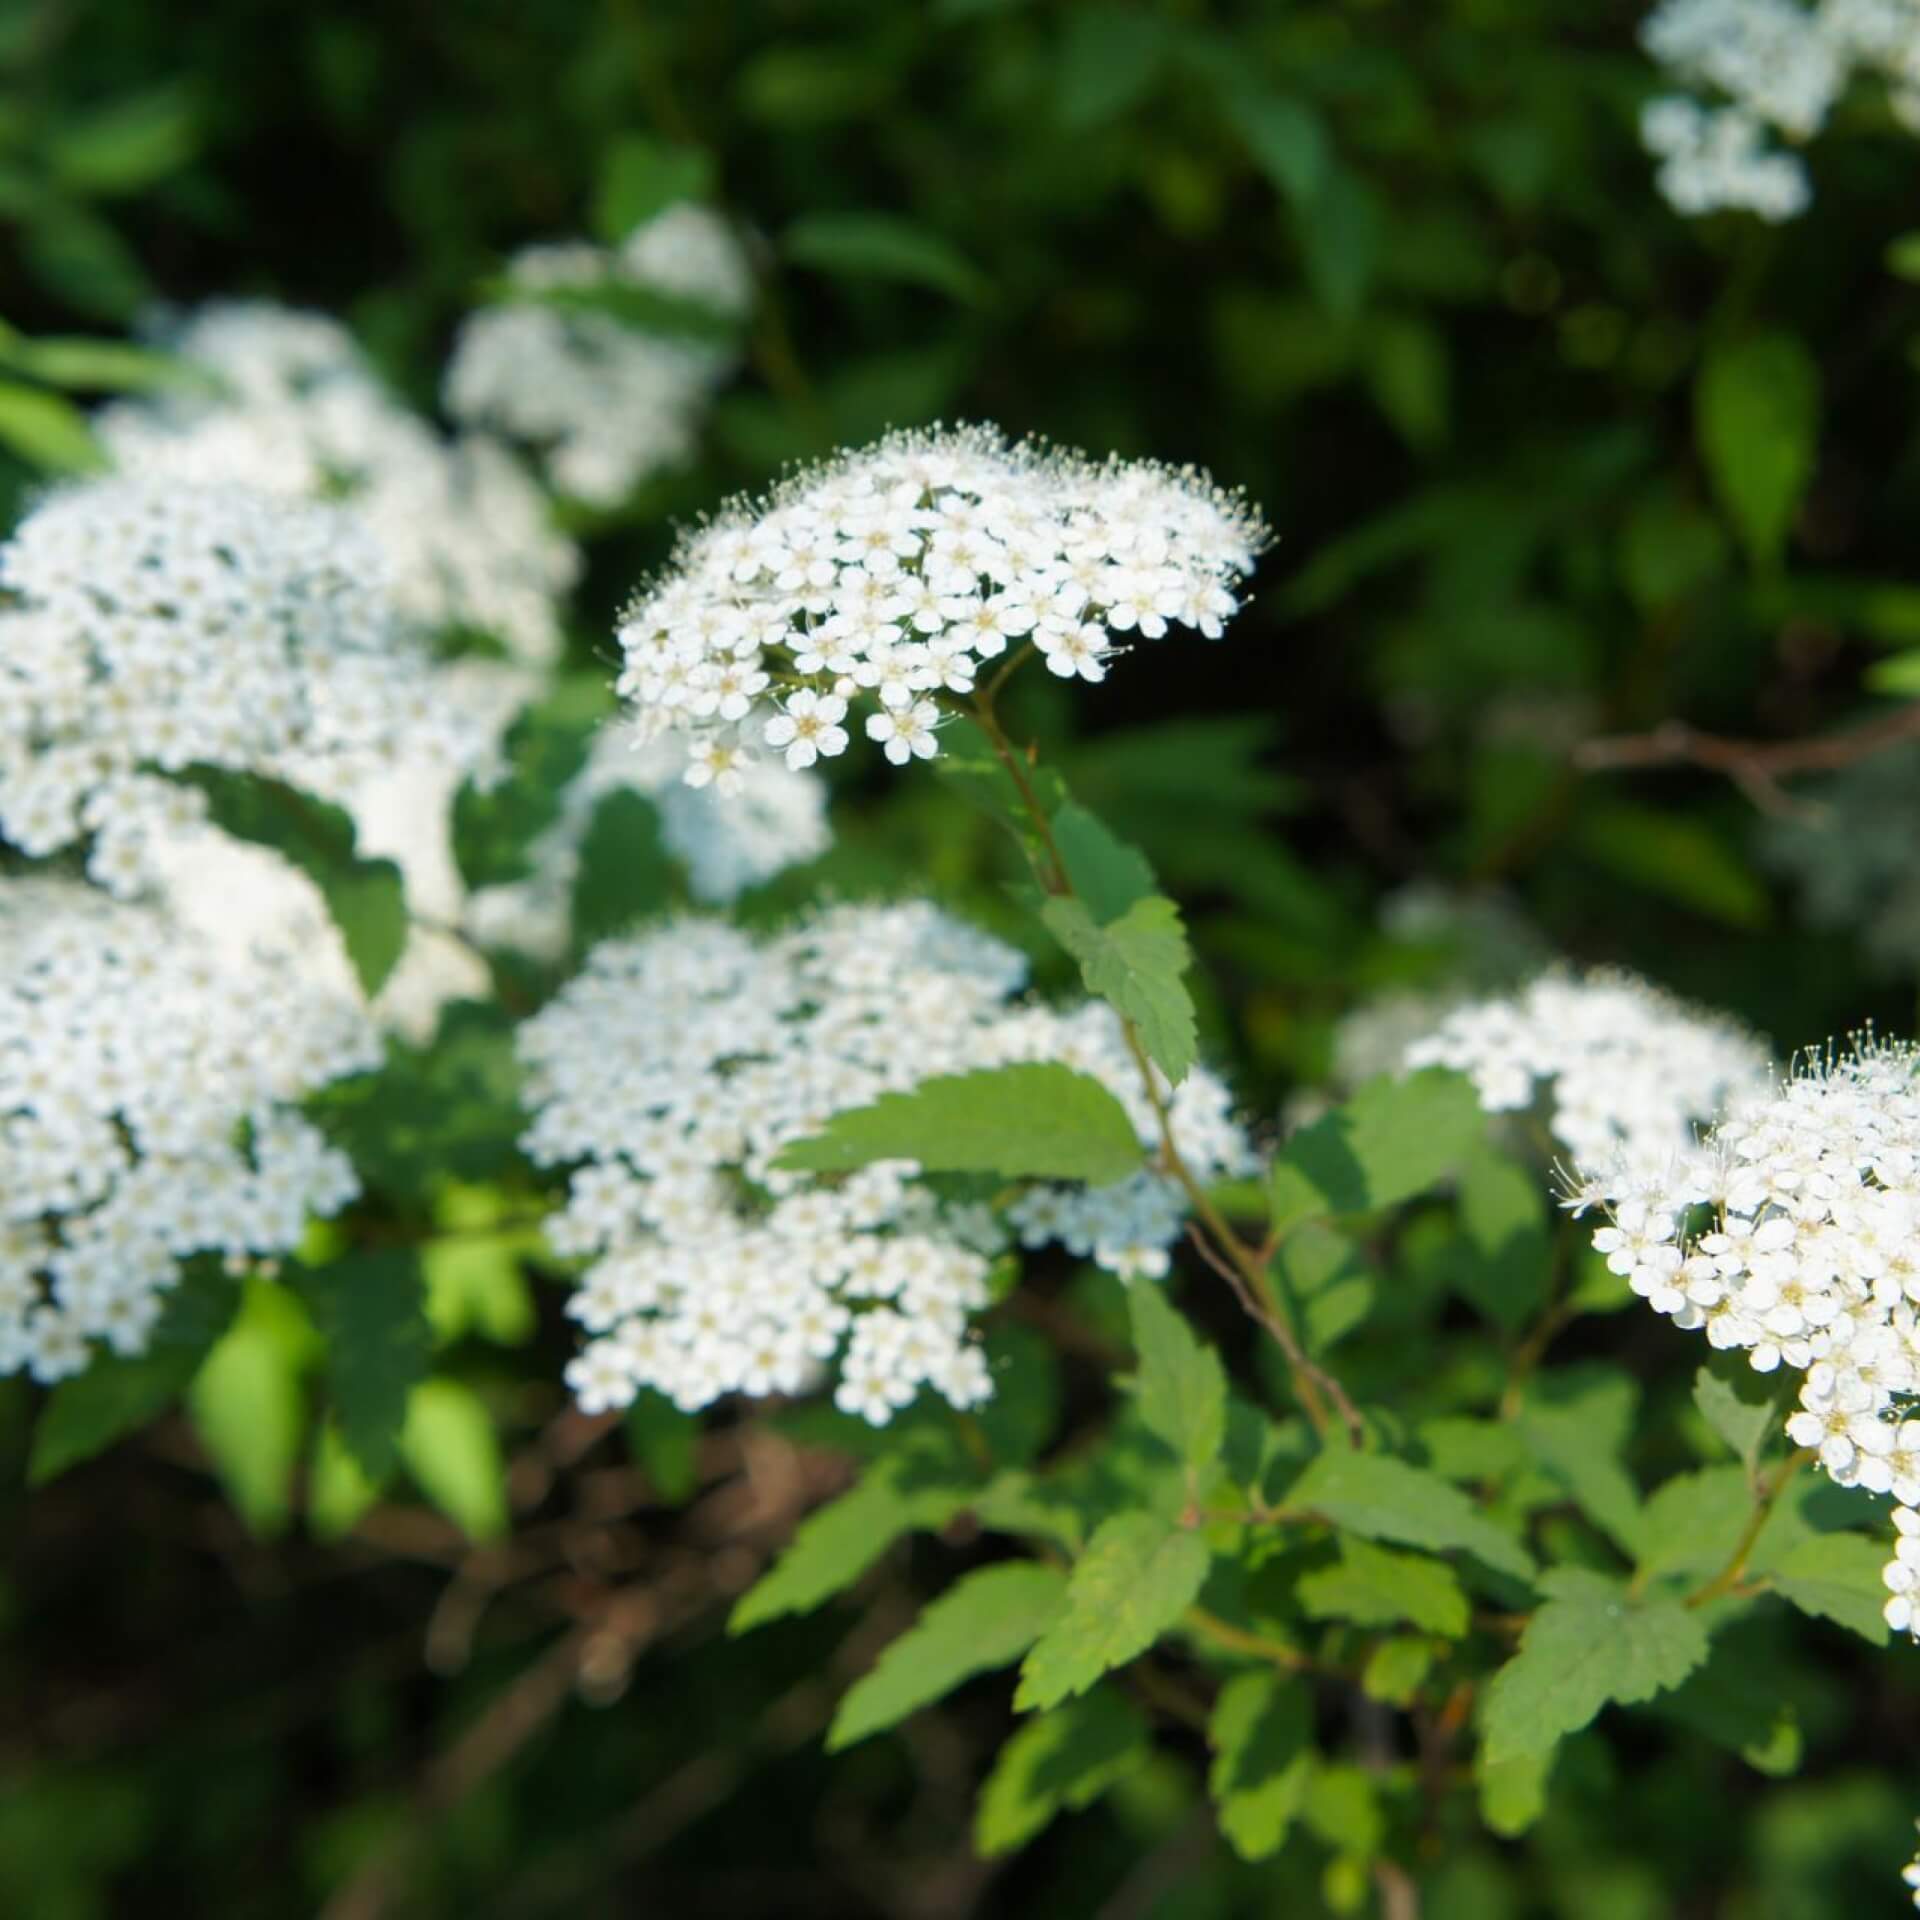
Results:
1757 416
1035 1120
365 897
1513 1792
1377 1588
1575 1422
1137 1577
1506 1264
1106 874
1384 1498
1066 1758
1181 1387
1393 1139
370 1310
1837 1577
449 1446
883 246
1589 1644
1136 964
985 1620
1692 1523
1741 1406
640 177
837 1543
85 1415
1261 1733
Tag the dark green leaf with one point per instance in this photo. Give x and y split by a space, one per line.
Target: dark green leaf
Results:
883 246
370 1310
1066 1758
640 177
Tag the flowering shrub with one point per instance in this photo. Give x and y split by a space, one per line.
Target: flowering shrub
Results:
867 1165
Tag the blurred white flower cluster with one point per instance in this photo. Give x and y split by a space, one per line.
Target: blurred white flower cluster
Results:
679 1064
769 821
1774 69
146 1116
289 405
1628 1071
896 572
603 402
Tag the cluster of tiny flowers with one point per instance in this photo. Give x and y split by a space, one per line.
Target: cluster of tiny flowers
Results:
1776 69
290 405
1630 1071
604 404
1811 1261
1911 1872
1849 853
676 1067
896 572
729 836
147 626
145 1116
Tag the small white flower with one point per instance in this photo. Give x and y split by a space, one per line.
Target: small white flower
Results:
908 734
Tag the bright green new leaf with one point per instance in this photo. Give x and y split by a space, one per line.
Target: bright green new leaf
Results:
837 1543
1397 1669
1343 1808
1757 416
1039 1121
1837 1577
1588 1645
985 1620
338 1493
248 1406
1136 964
882 246
1261 1733
1106 874
46 430
370 1309
1136 1578
1388 1499
1513 1792
1181 1387
449 1446
1393 1139
1066 1758
1375 1587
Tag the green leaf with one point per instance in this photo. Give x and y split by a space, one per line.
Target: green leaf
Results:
99 366
1110 57
1835 1576
1588 1645
1181 1388
986 1620
1375 1587
1397 1669
1757 417
370 1310
1505 1264
1285 136
1513 1792
883 246
1741 1406
1388 1499
837 1543
1393 1139
640 177
1066 1758
666 1443
1136 964
1722 1703
248 1408
85 1415
494 828
1679 858
1692 1523
625 873
1341 230
1136 1578
450 1448
1902 256
365 897
1108 875
1032 1121
1576 1422
338 1493
126 145
46 430
1261 1733
1343 1808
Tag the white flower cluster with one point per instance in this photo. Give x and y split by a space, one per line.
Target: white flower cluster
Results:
604 403
1811 1261
153 625
728 841
679 1064
290 405
1777 68
1631 1070
145 1116
897 571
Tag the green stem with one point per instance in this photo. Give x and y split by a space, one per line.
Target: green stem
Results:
1729 1576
